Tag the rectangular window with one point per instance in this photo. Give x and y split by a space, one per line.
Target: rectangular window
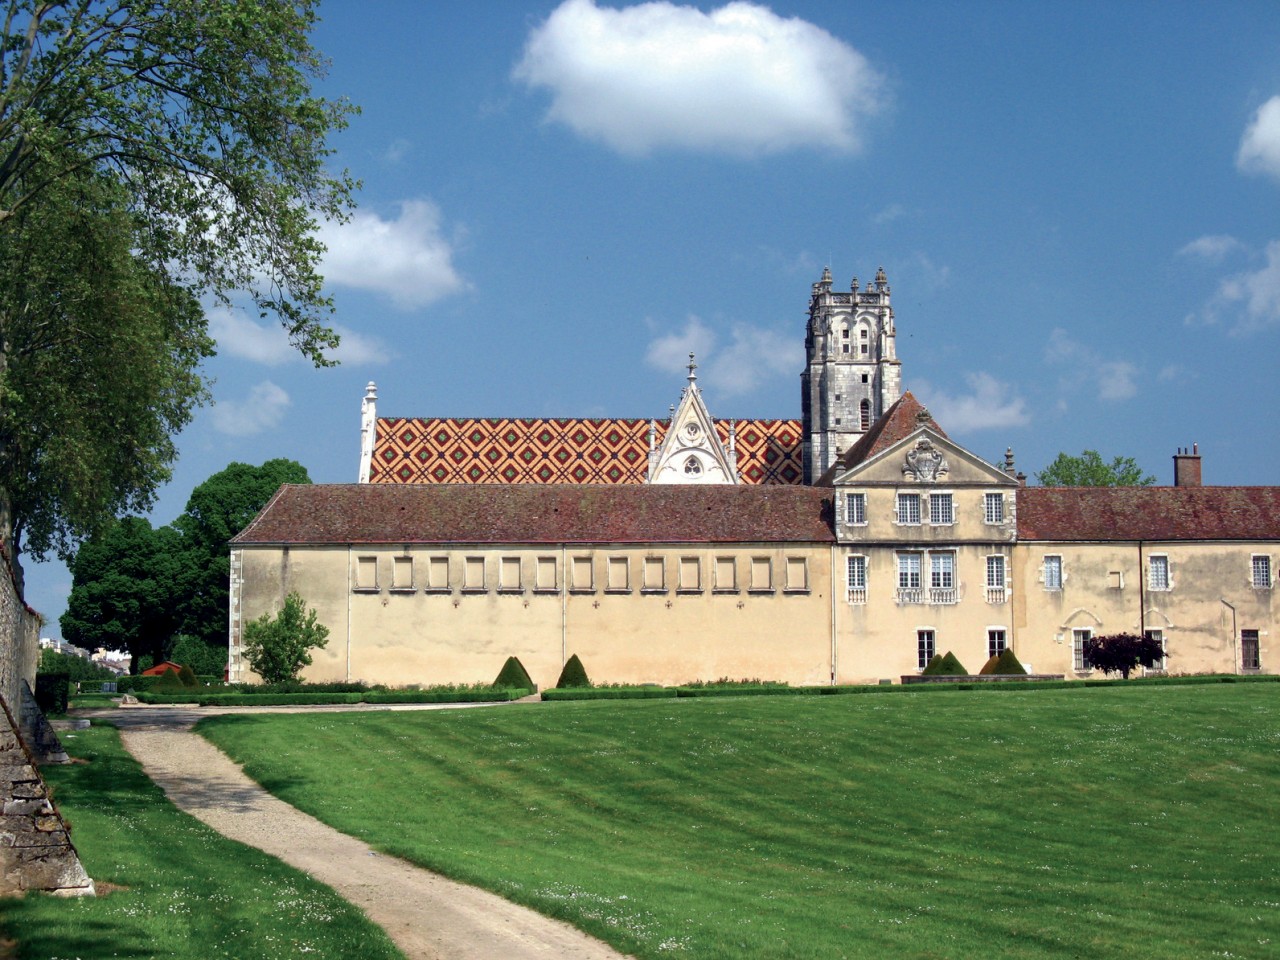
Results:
993 507
856 573
1158 573
1261 568
942 577
995 580
797 575
544 578
473 574
509 574
402 573
1080 659
995 643
941 509
618 575
909 590
726 575
855 508
580 580
438 574
690 575
925 648
655 570
909 509
1250 652
366 573
1115 579
1157 666
1053 573
761 574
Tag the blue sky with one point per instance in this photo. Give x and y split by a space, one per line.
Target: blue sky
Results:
1077 206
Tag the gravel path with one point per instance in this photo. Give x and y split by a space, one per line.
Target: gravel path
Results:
425 914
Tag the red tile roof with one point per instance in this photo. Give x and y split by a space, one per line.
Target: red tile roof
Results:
1148 513
898 422
510 450
502 513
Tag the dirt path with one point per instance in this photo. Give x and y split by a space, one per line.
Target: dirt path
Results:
426 915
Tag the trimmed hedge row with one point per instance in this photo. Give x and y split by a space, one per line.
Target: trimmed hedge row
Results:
321 699
610 693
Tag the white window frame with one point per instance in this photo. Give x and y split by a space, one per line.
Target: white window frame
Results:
578 583
1051 572
942 576
910 564
942 504
726 575
366 578
926 646
993 508
617 575
474 573
651 583
997 578
542 583
797 575
1159 573
856 577
437 575
855 509
997 636
1260 571
907 510
1078 638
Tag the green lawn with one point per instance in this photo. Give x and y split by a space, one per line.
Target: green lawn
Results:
188 893
1062 823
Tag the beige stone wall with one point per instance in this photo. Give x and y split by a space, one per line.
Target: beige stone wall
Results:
1106 589
421 615
19 640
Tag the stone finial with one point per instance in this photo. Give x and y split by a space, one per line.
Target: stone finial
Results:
854 286
1008 462
826 274
693 377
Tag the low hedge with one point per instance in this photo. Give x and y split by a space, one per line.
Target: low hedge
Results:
207 699
444 696
610 693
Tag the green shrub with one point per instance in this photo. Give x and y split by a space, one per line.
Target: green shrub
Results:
990 666
169 682
188 677
51 693
945 666
573 675
610 693
1008 664
514 676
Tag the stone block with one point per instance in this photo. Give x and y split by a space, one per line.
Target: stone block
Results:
27 808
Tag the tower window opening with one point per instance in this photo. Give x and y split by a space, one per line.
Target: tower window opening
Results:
864 409
864 378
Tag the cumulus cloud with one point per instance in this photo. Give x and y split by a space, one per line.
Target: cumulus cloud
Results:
240 336
261 410
752 357
1110 379
406 259
738 80
1260 146
989 404
1213 247
1253 296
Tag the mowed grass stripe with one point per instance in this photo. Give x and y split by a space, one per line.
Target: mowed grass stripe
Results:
1081 822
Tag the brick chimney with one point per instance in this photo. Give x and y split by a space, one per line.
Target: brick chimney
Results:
1186 467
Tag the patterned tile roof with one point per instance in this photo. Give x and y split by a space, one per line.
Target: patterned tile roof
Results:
1148 513
559 451
527 513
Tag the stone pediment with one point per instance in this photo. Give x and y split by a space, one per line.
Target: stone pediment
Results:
925 457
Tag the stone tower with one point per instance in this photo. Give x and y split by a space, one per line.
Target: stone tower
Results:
852 374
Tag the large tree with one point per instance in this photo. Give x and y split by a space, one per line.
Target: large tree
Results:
1090 470
217 510
125 590
193 124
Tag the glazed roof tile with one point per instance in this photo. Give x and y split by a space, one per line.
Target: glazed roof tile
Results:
1148 513
513 513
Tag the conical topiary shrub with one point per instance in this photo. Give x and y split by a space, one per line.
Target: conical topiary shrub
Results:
1008 664
990 666
573 674
952 667
513 676
188 677
933 666
169 683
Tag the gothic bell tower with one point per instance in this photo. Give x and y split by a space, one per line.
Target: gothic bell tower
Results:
852 374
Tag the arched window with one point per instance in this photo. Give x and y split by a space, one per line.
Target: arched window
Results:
865 409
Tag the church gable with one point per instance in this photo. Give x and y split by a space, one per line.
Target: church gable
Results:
692 451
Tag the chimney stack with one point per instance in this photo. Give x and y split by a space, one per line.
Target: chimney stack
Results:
1186 467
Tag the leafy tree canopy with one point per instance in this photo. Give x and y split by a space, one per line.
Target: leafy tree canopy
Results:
1090 470
124 590
76 668
153 153
1121 652
216 511
277 649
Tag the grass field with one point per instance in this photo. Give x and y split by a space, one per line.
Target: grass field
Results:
171 887
1063 823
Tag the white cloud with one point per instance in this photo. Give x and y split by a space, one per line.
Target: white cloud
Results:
739 80
670 352
1108 379
989 404
1258 291
263 409
1213 247
753 356
1260 146
240 336
406 259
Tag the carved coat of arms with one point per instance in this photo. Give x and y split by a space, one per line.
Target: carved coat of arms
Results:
925 463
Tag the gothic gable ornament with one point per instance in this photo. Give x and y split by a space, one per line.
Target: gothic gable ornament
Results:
924 463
